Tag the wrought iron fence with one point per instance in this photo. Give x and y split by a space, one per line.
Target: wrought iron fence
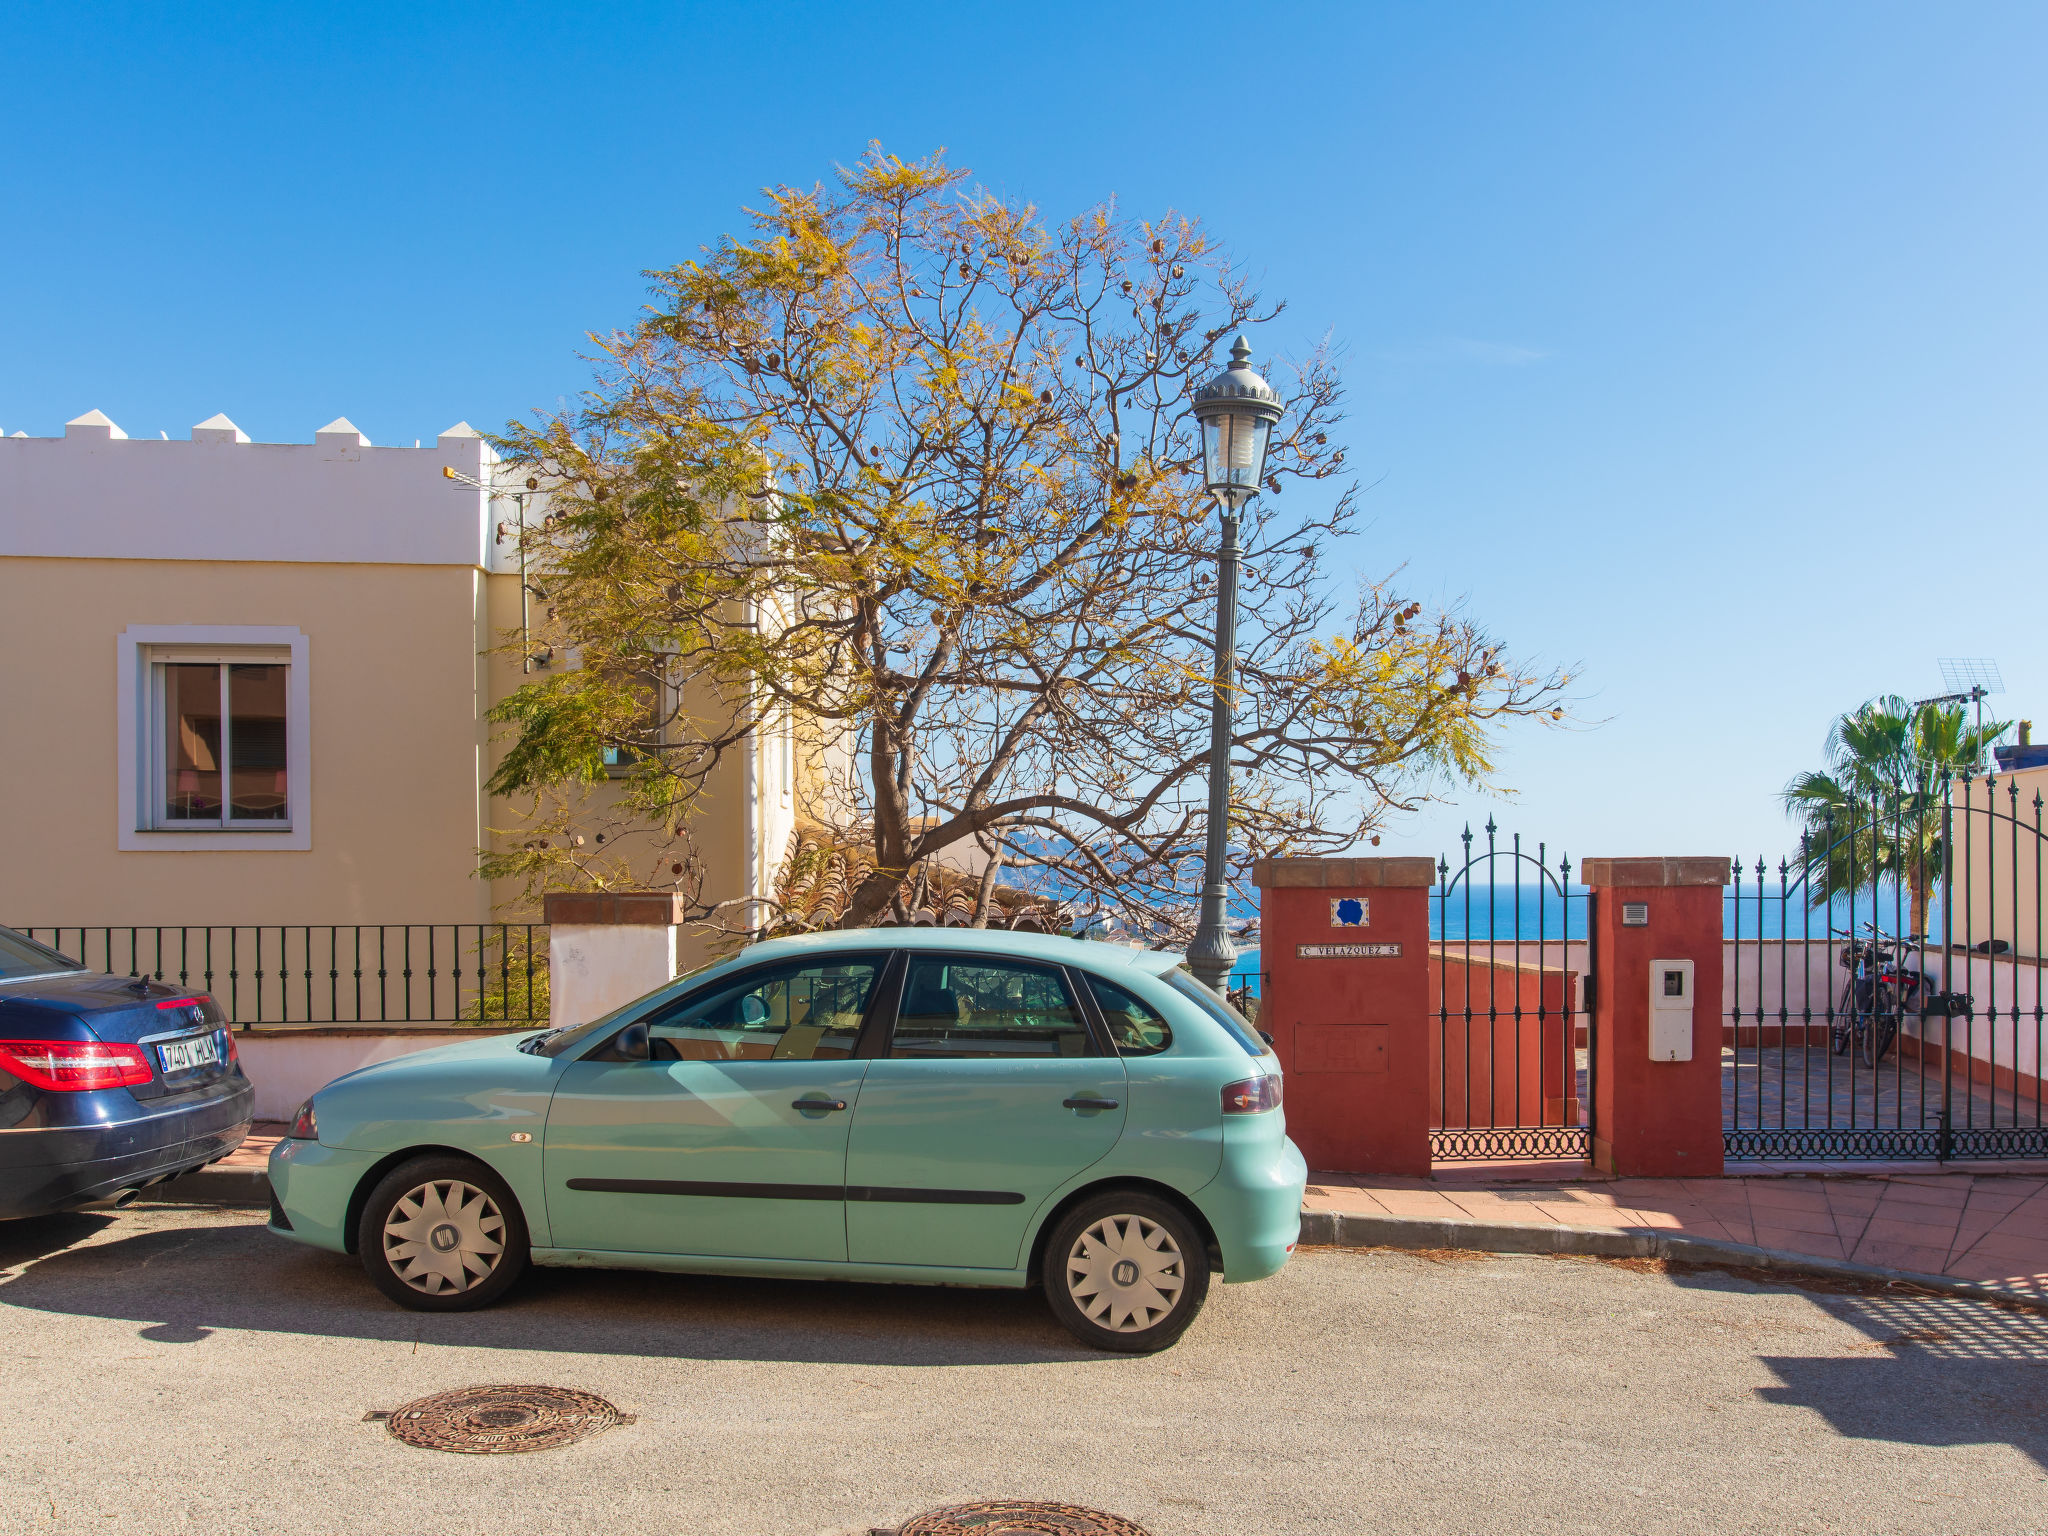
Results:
1885 983
1510 951
335 973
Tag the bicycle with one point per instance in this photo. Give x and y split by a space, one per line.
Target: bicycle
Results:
1880 987
1882 990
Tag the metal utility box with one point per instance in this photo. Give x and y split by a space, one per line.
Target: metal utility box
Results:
1671 1000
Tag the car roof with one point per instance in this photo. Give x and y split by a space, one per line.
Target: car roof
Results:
1092 954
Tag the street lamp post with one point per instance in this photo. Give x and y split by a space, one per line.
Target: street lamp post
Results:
1237 410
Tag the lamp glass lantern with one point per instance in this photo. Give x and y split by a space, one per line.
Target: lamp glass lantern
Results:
1237 410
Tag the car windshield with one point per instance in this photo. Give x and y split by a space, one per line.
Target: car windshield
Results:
22 957
555 1041
1183 981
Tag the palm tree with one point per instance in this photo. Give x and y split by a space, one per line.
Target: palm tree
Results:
1875 812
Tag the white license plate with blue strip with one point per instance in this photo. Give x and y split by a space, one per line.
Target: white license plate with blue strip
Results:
186 1054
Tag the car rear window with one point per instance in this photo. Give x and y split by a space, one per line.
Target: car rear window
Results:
22 957
1183 981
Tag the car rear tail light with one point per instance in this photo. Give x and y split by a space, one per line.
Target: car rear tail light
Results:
304 1126
1252 1096
74 1066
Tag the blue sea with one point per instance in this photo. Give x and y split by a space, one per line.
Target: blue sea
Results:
1541 912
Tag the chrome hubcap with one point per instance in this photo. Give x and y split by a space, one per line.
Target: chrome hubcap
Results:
444 1236
1125 1273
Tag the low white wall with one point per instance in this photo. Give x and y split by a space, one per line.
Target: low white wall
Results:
286 1067
1770 974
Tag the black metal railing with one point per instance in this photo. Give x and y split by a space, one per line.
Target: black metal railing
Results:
1511 1067
1885 983
334 973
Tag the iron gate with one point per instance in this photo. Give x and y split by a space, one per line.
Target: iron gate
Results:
1885 990
1511 1058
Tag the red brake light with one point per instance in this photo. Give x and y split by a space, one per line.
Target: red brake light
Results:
1253 1096
74 1066
183 1002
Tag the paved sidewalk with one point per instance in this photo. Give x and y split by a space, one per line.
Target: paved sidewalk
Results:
1990 1228
1986 1226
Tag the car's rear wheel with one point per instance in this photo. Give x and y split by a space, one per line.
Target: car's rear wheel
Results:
442 1234
1126 1271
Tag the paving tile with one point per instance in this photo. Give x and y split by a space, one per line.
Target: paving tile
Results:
1997 1203
2031 1252
1992 1272
1925 1233
1932 1196
1971 1232
1575 1215
1922 1260
1821 1246
1820 1223
1765 1197
1660 1221
1417 1202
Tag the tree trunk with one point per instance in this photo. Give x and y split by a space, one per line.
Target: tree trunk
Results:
873 895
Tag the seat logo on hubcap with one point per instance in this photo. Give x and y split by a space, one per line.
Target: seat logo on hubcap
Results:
444 1238
1124 1272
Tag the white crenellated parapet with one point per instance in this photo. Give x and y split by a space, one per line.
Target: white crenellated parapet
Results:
96 493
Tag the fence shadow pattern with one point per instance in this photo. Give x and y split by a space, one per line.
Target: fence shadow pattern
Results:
333 974
1850 1035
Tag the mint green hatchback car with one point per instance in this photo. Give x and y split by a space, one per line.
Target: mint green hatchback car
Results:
930 1106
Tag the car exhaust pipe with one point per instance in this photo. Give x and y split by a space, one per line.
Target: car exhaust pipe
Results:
119 1200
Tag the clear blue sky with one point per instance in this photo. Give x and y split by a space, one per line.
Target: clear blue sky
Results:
1703 346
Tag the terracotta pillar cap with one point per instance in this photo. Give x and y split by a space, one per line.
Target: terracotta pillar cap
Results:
1640 874
1341 874
600 909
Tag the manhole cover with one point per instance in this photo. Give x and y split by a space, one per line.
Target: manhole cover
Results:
488 1420
1019 1517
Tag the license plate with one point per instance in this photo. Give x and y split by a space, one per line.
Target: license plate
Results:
184 1055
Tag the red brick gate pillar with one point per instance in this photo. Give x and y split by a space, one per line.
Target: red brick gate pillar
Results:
1344 948
1657 1011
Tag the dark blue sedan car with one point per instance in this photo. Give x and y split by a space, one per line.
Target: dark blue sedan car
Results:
107 1085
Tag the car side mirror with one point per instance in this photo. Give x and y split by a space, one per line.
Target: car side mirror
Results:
1266 1035
629 1044
753 1012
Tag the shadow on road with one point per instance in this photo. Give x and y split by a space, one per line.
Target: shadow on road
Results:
33 1237
1934 1370
181 1283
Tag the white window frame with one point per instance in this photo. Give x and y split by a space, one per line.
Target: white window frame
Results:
138 649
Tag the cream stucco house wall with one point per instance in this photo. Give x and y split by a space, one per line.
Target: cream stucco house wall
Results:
244 683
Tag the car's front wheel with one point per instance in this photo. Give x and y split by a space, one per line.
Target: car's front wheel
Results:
1126 1271
442 1234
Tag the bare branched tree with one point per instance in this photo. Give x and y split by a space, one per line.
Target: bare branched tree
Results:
914 464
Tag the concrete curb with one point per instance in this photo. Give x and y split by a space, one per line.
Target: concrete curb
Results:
1343 1229
212 1186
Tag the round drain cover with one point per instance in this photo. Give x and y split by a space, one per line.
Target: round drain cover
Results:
1019 1517
491 1420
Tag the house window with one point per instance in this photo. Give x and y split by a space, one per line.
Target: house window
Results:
222 733
215 737
222 742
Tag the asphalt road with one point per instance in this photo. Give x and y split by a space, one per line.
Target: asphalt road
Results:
180 1370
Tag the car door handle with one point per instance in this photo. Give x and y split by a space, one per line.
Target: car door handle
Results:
817 1103
1088 1104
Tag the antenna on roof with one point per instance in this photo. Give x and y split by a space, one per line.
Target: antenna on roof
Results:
1969 680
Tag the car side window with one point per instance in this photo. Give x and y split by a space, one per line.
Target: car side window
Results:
986 1010
784 1013
1135 1027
